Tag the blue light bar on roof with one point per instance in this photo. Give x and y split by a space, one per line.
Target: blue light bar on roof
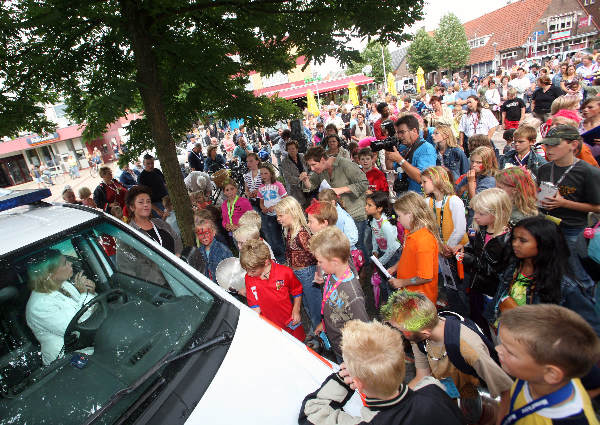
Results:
16 198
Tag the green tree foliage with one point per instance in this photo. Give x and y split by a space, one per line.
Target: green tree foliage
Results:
371 55
421 52
451 46
175 60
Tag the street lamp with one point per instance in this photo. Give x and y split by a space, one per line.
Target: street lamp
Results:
494 62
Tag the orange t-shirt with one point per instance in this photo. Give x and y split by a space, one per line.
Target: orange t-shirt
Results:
586 155
420 259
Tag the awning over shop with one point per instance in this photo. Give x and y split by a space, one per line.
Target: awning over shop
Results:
298 89
33 140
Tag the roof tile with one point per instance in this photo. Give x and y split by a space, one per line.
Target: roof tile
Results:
510 27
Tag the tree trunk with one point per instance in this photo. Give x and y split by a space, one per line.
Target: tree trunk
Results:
150 88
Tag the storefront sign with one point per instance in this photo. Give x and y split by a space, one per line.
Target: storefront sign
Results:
40 140
560 34
585 21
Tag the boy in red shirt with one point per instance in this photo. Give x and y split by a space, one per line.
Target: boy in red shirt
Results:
376 177
270 287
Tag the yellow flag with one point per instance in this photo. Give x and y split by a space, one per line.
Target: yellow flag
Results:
352 93
420 79
392 84
311 103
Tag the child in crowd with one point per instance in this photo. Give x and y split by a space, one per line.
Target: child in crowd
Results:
573 119
85 195
374 366
248 232
468 361
508 137
298 255
269 194
521 189
547 348
540 273
198 200
321 214
344 221
377 180
449 155
234 206
343 298
574 189
384 238
524 154
212 251
170 214
449 212
513 110
481 175
271 287
117 212
488 251
477 140
252 218
418 265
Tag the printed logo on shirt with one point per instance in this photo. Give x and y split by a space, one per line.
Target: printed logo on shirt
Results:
567 190
254 292
279 284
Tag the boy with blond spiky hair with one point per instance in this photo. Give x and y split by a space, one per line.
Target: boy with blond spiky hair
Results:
374 365
450 349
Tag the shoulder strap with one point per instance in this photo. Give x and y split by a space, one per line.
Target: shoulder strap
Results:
421 345
452 343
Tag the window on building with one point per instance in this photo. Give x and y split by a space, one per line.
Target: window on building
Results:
479 41
274 79
560 23
508 55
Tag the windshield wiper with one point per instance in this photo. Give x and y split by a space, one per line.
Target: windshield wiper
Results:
224 338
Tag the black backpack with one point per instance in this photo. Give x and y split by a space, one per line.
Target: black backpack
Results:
452 341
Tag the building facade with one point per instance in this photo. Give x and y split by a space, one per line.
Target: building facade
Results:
528 29
17 156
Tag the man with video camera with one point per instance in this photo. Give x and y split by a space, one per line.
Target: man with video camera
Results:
417 156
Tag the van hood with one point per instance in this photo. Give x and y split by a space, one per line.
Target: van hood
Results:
263 379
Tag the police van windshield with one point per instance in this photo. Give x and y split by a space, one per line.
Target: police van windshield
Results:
86 315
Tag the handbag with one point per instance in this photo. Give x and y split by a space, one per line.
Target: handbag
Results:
593 235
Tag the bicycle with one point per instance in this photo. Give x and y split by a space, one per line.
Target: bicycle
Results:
94 169
58 176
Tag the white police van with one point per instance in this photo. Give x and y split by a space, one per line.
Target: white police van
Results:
175 350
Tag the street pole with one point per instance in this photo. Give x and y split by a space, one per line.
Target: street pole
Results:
384 73
494 62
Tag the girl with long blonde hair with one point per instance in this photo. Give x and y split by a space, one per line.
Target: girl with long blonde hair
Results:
417 269
449 212
488 251
298 255
449 154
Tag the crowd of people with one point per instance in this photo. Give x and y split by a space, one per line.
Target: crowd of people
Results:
410 214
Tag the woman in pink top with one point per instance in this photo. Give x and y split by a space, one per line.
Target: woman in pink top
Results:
233 207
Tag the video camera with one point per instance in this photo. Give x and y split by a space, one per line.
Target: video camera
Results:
389 142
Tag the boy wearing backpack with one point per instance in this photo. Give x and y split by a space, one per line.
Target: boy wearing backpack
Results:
451 349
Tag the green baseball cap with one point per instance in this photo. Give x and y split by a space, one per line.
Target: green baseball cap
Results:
560 132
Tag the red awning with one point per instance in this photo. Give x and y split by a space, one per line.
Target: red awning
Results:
298 89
